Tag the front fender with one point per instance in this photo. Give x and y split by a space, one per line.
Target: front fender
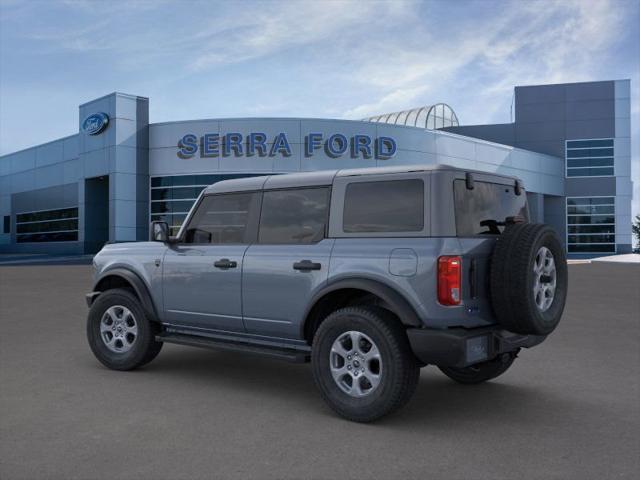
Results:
133 279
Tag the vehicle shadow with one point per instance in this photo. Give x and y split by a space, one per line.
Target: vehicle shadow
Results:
437 402
234 370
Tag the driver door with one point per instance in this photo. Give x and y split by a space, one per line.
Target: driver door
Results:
202 273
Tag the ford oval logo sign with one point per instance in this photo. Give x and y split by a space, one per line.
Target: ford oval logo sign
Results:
95 123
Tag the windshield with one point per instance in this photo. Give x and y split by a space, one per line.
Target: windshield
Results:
478 211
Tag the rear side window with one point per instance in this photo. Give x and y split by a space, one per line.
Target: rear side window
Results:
221 219
384 206
487 202
294 216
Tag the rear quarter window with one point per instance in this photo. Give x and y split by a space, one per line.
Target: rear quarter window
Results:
487 201
384 206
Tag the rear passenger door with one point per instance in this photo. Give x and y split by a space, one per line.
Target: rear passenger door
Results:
289 261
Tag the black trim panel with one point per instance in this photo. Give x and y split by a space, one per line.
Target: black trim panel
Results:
455 347
397 303
136 282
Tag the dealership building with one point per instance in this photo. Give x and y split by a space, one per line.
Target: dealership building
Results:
569 143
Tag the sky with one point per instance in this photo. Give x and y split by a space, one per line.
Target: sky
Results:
323 59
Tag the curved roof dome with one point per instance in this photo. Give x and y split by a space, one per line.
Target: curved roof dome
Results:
430 117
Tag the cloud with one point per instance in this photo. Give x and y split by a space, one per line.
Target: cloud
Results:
524 44
264 31
388 103
307 58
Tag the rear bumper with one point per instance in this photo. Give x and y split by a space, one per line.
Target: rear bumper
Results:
459 347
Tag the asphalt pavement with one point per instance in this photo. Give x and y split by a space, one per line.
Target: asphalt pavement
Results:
567 409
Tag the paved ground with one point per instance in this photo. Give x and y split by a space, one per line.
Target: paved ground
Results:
567 409
627 258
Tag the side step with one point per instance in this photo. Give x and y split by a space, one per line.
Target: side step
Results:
287 354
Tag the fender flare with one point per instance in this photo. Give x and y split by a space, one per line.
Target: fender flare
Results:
397 303
138 285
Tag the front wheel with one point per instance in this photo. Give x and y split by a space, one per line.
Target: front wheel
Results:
119 333
480 372
363 364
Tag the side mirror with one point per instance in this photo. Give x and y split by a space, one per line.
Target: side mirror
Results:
159 232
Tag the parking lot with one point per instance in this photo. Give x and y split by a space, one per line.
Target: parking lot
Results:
567 409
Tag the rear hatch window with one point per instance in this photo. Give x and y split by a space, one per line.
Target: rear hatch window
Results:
487 202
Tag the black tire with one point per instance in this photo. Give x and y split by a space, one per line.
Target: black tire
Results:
513 279
481 372
399 372
144 347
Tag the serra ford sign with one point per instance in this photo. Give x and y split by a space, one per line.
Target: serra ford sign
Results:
258 144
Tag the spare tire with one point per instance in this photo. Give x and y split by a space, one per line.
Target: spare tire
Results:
528 280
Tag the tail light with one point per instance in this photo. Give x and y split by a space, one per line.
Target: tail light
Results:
449 280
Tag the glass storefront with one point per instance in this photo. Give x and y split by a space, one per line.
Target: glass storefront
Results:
60 225
591 225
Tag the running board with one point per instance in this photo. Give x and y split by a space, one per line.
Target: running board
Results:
287 354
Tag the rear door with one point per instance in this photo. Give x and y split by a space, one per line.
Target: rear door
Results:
202 275
477 212
289 261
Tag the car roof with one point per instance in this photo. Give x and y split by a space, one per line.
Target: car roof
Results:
320 178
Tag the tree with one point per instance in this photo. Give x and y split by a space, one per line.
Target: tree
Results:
635 228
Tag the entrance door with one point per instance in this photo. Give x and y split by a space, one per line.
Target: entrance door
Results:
202 273
96 213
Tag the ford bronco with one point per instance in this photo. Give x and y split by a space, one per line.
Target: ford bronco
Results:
370 274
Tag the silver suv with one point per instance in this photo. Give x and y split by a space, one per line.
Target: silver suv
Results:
370 274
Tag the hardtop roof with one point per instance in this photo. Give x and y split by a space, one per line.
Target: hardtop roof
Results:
324 177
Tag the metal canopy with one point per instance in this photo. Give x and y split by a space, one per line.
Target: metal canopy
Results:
431 117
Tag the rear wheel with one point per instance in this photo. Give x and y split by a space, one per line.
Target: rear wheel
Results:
119 333
481 372
363 364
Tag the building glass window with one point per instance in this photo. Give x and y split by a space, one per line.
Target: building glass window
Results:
7 224
173 196
589 158
60 225
591 225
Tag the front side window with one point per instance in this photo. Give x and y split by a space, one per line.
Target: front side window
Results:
173 196
479 210
294 216
589 158
384 206
591 225
222 219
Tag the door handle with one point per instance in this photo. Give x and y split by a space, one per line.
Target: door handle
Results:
225 263
306 265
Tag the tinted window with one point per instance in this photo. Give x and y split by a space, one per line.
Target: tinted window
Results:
589 143
59 225
48 237
384 206
591 224
7 224
590 158
221 219
487 201
294 216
